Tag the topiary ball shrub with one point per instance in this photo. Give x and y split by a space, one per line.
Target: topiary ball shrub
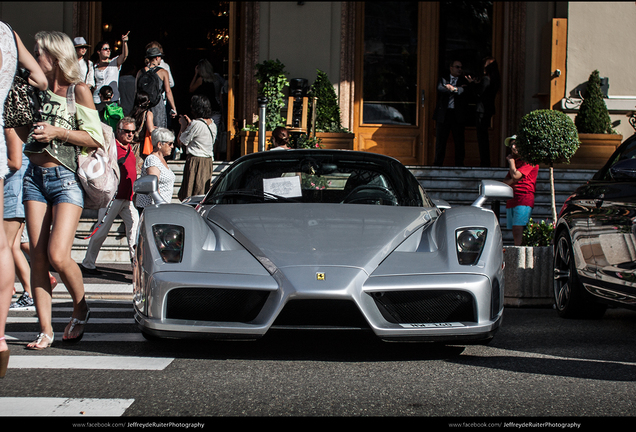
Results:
593 116
547 136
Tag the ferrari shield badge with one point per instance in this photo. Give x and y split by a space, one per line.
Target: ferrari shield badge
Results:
320 276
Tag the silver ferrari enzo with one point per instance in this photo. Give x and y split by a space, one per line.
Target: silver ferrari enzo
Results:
319 239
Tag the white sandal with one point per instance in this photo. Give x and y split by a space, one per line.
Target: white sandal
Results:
39 340
74 322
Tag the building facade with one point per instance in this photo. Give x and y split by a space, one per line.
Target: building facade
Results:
383 58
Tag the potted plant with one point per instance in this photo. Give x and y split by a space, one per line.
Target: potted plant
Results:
328 124
543 137
547 137
528 271
271 77
598 138
272 80
538 234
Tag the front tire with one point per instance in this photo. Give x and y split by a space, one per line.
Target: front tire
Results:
569 293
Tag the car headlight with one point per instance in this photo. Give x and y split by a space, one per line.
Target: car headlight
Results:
169 241
470 242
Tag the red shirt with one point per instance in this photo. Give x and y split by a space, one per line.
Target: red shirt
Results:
127 172
525 188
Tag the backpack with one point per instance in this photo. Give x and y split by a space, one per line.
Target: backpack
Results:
150 83
97 168
112 114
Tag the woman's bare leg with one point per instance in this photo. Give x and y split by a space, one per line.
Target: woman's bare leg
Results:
38 220
64 225
7 277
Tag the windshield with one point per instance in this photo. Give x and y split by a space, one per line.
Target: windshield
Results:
318 177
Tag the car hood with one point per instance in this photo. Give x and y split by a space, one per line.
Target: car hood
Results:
295 234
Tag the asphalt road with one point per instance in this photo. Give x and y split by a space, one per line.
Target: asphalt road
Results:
538 368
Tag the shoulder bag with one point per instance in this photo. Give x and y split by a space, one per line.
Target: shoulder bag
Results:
97 168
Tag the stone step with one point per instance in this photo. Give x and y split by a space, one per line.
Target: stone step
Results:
457 186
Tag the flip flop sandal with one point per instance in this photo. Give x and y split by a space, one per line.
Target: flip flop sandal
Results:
41 336
75 322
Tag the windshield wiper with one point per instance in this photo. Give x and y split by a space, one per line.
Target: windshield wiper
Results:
252 193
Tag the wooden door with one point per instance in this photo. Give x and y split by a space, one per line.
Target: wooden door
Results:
395 81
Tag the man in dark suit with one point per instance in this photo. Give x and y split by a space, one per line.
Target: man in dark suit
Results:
450 113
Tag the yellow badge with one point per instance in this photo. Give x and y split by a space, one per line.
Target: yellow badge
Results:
320 276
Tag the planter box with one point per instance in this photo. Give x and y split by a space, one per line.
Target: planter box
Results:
248 142
334 140
594 151
529 276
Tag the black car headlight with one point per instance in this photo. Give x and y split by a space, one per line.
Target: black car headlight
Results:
470 242
169 241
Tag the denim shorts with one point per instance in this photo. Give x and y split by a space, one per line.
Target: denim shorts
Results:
518 216
54 185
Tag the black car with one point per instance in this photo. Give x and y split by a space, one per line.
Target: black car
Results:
595 242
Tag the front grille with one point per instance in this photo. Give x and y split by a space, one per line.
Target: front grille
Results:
321 313
425 306
215 304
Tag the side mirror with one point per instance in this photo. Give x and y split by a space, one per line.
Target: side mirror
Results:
441 204
624 170
492 189
149 185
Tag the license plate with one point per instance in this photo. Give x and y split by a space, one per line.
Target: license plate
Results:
433 325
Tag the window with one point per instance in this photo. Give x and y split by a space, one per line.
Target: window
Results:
390 63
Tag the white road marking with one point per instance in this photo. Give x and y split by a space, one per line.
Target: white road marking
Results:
96 309
114 288
31 320
104 362
88 337
38 407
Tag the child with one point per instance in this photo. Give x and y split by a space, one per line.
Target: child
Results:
109 112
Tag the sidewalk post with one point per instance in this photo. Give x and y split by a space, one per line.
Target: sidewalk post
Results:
262 104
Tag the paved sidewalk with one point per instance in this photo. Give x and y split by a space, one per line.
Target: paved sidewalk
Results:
115 282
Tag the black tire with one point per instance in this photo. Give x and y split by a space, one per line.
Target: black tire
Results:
570 298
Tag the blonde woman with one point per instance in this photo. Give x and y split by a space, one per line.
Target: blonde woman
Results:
53 198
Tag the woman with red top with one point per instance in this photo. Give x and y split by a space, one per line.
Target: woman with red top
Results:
522 177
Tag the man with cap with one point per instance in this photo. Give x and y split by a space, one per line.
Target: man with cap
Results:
153 59
522 177
86 66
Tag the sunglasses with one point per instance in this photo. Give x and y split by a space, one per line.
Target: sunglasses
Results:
132 131
105 49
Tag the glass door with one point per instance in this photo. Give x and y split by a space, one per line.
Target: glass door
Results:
391 81
402 48
389 85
